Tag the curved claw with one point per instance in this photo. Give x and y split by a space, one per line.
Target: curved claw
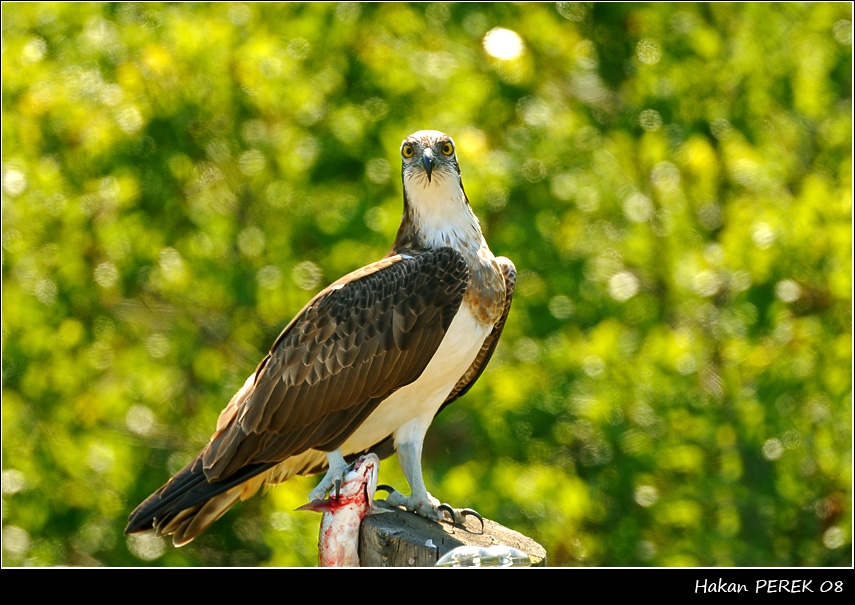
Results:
331 483
394 498
458 515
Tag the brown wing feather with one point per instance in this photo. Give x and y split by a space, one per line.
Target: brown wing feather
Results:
386 448
322 379
362 338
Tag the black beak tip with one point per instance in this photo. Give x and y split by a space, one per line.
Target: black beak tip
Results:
427 162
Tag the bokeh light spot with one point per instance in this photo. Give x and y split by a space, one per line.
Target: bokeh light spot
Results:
638 208
763 235
106 275
788 291
378 171
646 495
252 162
140 420
307 275
561 307
503 44
843 31
16 540
157 345
834 537
650 120
572 11
146 546
269 277
34 51
14 182
14 481
623 286
772 449
648 51
707 283
251 242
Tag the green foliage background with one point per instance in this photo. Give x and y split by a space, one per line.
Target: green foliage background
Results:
673 182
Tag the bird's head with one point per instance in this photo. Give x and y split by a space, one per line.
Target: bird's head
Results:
436 209
429 157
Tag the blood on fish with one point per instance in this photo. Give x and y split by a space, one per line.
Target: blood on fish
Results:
338 543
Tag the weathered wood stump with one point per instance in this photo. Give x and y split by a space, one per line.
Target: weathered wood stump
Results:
396 538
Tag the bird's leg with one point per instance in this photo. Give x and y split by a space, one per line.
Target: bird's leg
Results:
333 478
420 501
408 443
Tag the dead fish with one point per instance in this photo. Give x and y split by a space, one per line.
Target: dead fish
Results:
338 543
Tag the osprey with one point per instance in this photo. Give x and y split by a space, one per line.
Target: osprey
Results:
365 365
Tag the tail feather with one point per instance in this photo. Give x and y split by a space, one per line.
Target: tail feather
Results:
188 503
192 521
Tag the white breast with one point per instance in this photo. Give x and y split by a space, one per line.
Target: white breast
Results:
421 399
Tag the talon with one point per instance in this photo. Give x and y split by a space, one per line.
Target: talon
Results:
395 498
474 513
390 490
430 509
458 515
447 509
331 483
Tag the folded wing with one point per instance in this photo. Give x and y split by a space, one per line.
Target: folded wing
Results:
354 344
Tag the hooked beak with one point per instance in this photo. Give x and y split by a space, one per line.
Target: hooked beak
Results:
427 162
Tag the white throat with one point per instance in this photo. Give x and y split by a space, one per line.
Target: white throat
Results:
441 213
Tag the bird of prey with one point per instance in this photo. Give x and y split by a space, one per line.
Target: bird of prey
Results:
364 366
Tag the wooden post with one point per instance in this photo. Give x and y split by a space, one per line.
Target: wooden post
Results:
393 537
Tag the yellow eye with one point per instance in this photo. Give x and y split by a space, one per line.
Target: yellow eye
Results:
407 151
447 149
